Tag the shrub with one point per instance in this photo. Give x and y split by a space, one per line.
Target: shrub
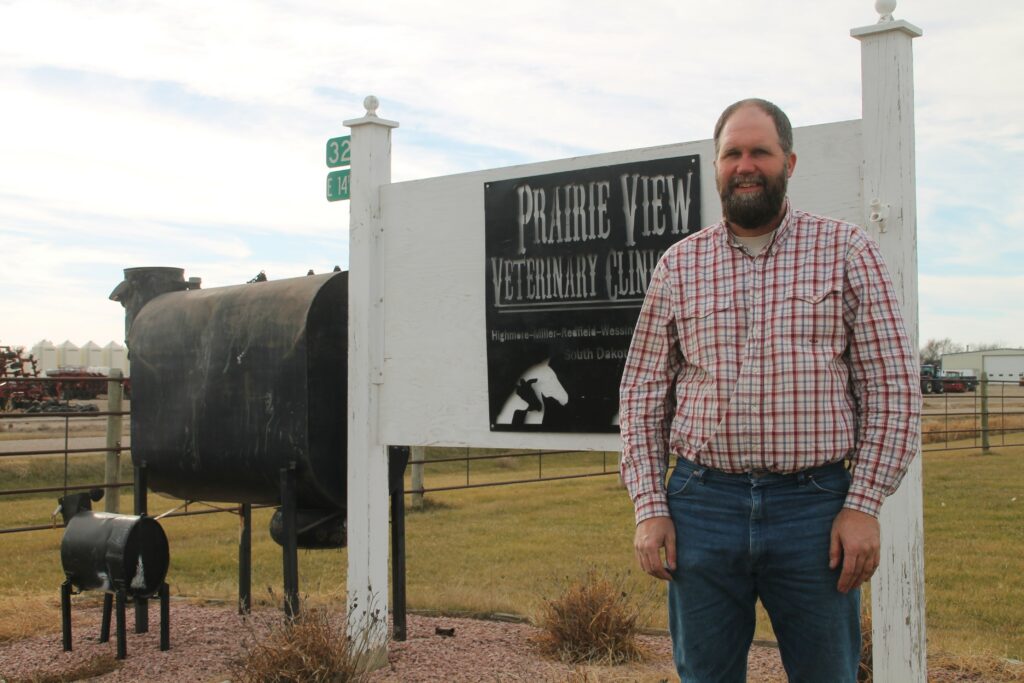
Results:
592 621
307 649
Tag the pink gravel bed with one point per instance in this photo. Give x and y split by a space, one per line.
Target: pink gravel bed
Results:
204 638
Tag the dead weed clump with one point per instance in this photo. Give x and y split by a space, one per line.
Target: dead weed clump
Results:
978 667
865 672
946 666
307 649
593 621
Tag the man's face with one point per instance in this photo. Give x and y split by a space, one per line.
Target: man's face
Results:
751 170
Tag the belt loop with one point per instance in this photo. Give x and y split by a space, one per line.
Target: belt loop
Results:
699 473
802 477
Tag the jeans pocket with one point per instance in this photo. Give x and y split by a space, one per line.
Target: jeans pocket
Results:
836 484
675 489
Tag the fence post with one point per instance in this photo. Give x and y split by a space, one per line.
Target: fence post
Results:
984 413
890 212
112 467
419 454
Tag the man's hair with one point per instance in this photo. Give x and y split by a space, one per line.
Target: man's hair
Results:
782 124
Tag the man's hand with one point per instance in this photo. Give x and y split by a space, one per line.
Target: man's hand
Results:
856 542
652 536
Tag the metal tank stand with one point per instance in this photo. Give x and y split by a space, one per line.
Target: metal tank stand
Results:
290 547
165 617
141 506
398 459
245 560
120 599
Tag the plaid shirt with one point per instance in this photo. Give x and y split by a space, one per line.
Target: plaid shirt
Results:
788 360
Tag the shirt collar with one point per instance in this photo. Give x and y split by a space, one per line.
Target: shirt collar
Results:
781 232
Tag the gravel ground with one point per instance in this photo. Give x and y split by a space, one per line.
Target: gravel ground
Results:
204 638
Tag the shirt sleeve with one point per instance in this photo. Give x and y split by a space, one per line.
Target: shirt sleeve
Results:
884 379
647 399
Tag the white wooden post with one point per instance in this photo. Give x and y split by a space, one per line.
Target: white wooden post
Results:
112 466
367 456
887 76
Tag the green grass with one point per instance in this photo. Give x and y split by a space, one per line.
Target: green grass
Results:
974 551
506 548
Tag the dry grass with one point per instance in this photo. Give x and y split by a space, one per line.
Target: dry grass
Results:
939 429
593 621
307 649
978 667
28 615
864 670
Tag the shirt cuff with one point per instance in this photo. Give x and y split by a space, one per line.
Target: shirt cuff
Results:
865 500
651 505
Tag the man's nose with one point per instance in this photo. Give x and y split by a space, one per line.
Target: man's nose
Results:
745 164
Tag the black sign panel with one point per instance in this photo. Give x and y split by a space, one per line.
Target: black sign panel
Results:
569 258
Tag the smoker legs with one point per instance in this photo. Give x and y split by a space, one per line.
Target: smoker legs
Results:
141 614
115 601
108 609
122 639
65 614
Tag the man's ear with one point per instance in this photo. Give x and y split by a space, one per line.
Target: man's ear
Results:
792 164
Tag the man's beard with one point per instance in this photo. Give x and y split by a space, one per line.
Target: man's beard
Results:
754 210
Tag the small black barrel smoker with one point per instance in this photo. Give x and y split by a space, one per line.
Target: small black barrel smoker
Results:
125 556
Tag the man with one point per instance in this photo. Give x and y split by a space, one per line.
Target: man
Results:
770 357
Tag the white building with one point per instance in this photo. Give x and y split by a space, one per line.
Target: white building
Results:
1002 365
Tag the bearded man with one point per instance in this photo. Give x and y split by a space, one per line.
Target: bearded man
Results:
771 359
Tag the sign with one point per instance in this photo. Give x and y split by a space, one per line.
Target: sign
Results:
339 151
338 185
568 259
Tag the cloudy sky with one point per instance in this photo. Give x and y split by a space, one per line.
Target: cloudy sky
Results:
191 134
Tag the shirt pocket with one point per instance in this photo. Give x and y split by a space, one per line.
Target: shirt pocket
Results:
705 325
814 319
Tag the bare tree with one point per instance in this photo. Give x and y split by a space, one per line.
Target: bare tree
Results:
931 352
987 346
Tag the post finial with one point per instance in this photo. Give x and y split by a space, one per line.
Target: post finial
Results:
371 103
885 9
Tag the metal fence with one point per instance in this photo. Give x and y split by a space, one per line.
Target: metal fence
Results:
40 410
989 417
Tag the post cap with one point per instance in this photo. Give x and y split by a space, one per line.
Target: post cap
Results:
885 9
371 103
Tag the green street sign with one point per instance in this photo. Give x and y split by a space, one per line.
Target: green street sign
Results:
338 185
339 151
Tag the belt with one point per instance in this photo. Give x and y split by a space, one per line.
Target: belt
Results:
764 474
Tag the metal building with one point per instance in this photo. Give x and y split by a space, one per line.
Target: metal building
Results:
1002 365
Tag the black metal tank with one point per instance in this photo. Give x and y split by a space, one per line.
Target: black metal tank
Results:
232 384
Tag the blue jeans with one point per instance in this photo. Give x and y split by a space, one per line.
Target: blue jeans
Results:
740 537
